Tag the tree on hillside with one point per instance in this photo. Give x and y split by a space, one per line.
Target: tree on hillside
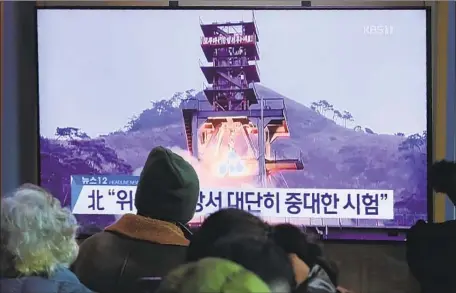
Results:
314 106
163 106
347 116
337 115
160 114
330 109
413 152
317 107
322 104
326 107
399 134
70 133
415 141
78 157
322 107
131 123
358 128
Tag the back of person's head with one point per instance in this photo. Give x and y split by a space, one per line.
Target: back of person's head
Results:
442 175
293 240
442 178
168 187
259 255
221 224
37 234
211 275
305 246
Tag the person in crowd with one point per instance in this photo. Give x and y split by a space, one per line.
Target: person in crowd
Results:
224 223
313 273
443 178
37 244
306 257
152 242
260 256
431 253
305 252
315 276
214 275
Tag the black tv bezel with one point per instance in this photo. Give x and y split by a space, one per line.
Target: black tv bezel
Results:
396 235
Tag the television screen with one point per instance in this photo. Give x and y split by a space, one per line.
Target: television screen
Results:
313 117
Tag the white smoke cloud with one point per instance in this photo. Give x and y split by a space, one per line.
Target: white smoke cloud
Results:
204 169
137 172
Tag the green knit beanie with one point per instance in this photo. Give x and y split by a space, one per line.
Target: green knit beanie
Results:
212 275
168 187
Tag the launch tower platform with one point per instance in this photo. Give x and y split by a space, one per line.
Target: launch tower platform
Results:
231 98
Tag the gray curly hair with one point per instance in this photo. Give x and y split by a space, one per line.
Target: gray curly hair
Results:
38 235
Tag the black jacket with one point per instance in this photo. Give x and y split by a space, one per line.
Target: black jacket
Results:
431 255
133 248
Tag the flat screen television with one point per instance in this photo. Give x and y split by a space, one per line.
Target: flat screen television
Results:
309 116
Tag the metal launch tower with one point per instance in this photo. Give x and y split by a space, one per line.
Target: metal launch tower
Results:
233 121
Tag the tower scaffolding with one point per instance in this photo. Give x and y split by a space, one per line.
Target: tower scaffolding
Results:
232 100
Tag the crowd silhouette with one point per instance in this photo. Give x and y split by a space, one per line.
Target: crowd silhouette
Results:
154 251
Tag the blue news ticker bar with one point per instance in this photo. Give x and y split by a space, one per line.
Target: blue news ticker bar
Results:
114 180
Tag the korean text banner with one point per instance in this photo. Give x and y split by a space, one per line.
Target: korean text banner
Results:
114 195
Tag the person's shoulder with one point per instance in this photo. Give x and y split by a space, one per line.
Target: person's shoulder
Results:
98 236
422 228
320 286
64 275
99 239
101 246
68 282
71 287
317 287
319 281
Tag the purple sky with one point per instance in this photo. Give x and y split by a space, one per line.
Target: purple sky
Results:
98 68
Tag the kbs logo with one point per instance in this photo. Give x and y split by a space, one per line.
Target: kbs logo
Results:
378 30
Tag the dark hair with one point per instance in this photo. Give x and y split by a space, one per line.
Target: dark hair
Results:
258 255
293 240
440 175
305 245
220 224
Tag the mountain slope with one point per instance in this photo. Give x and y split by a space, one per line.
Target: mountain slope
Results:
334 156
62 158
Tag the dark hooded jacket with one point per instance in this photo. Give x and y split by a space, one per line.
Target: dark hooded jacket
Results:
151 243
431 255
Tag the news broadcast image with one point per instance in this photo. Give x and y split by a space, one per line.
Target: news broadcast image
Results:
316 117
